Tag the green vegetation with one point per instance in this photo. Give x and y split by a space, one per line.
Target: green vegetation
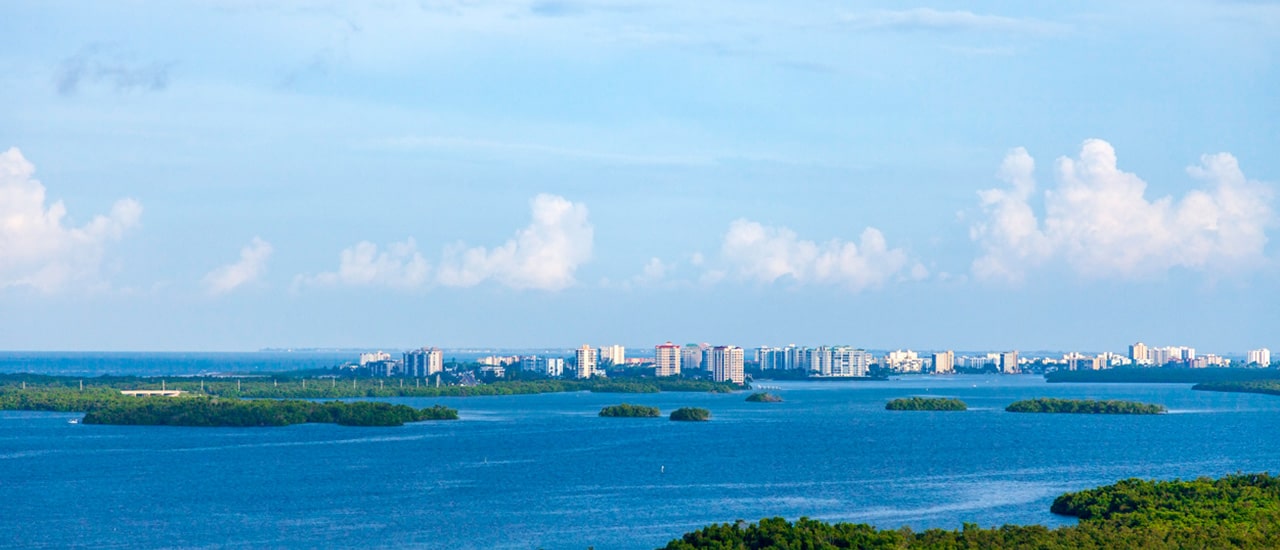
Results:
691 414
1240 511
102 406
1169 375
293 385
763 397
633 411
1083 406
1269 387
926 404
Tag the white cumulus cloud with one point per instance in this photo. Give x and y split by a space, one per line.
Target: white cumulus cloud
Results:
756 252
1099 220
400 265
37 248
253 259
544 256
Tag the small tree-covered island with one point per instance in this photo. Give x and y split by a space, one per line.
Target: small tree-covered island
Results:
1084 406
626 410
763 397
1238 511
691 414
926 404
109 407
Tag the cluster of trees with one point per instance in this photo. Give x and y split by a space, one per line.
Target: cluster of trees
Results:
763 397
1240 511
108 406
691 414
926 404
1084 406
221 412
633 411
1269 387
293 386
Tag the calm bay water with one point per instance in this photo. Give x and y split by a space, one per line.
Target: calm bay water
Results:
544 471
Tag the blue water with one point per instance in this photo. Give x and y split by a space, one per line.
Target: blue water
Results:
543 471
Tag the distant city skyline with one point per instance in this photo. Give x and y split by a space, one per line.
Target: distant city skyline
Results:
983 175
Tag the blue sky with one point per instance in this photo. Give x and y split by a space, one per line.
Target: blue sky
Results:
970 175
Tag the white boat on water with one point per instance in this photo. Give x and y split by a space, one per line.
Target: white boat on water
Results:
73 421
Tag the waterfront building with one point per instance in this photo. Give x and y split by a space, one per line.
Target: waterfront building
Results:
666 357
374 357
903 361
1009 362
847 361
423 362
1139 354
944 363
797 358
771 358
1260 357
693 356
553 366
613 355
725 363
587 358
820 360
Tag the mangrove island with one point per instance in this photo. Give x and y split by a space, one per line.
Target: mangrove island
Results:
691 414
926 404
630 411
1084 406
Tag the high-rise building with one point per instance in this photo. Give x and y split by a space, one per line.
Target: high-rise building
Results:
944 363
587 358
374 357
771 358
1139 354
692 356
725 363
1260 357
903 361
846 361
613 355
820 360
553 366
423 362
1009 362
797 358
666 357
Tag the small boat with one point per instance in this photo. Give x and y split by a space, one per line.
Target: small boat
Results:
73 421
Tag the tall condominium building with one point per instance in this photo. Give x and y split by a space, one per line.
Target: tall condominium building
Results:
692 355
423 362
771 358
725 363
553 366
820 360
1140 354
797 357
588 359
613 355
944 363
904 361
846 361
666 357
1260 357
1009 362
374 357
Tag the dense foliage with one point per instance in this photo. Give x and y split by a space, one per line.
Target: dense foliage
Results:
291 385
627 410
1172 375
691 414
1240 511
926 404
1083 406
103 406
763 397
214 412
1269 387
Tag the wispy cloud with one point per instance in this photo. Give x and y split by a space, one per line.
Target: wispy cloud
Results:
1099 220
929 19
399 265
103 65
453 143
252 262
37 249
